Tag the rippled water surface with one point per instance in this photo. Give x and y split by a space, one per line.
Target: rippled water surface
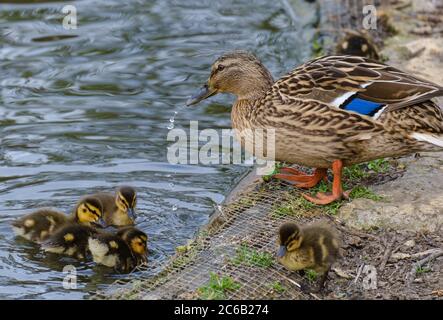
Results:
88 109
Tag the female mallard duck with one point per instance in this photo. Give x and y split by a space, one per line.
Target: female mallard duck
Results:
331 112
119 208
122 251
313 247
41 224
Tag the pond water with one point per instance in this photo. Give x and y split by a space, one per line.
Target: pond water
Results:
88 109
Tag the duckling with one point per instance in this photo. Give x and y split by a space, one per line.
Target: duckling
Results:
312 247
358 43
41 224
119 208
71 238
122 251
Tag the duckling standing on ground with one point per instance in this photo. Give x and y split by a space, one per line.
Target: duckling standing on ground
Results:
119 208
329 113
122 251
41 224
313 247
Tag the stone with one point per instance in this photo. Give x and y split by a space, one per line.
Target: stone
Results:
409 243
413 202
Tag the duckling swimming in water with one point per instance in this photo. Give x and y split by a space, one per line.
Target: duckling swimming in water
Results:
41 224
119 208
122 251
315 247
71 238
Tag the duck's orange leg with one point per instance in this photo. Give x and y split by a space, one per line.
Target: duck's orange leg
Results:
337 189
301 179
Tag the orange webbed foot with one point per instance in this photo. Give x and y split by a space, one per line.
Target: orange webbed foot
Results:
337 190
300 179
322 198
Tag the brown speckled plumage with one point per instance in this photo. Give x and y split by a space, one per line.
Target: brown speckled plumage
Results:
311 131
330 112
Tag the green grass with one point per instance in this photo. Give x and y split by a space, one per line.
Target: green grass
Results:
294 207
317 48
366 193
311 275
217 287
421 270
299 205
358 172
278 287
251 257
333 207
379 165
355 172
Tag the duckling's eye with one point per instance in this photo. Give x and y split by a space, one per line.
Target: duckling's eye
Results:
220 67
84 210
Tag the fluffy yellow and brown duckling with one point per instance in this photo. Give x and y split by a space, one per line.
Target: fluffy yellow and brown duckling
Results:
71 238
119 208
329 113
122 251
41 224
315 247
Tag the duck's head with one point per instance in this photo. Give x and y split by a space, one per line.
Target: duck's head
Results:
89 211
136 239
239 73
126 200
289 238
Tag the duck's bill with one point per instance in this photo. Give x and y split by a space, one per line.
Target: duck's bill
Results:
202 94
281 251
131 214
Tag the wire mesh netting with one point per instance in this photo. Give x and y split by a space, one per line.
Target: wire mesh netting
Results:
238 247
246 227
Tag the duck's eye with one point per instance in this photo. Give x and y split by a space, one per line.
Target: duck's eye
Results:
84 210
220 67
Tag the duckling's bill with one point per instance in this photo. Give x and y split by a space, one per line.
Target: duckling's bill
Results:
281 251
132 214
100 223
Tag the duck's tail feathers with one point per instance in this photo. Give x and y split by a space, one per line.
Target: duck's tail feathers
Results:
429 138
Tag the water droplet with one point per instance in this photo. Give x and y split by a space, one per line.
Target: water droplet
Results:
174 208
171 185
171 126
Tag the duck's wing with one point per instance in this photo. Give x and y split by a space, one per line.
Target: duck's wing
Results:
357 84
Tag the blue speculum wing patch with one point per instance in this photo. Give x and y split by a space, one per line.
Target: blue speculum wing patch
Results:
364 107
